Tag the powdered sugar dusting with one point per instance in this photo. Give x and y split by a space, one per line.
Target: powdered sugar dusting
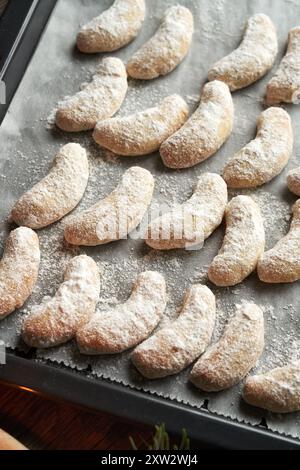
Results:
18 269
56 320
114 28
175 346
225 363
293 181
285 85
112 331
203 134
243 245
167 48
264 157
282 263
114 217
194 221
253 58
58 193
100 99
142 133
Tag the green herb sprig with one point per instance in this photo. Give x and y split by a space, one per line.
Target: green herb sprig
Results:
161 441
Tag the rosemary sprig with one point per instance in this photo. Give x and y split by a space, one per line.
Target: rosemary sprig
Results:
161 441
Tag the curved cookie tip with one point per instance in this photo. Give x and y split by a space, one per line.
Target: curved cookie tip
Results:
265 157
205 131
293 181
114 28
228 361
176 346
115 330
19 269
56 320
243 244
114 217
58 193
188 225
167 48
277 391
281 264
97 100
252 59
284 87
142 133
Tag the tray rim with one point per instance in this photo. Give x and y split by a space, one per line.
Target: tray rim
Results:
70 385
19 37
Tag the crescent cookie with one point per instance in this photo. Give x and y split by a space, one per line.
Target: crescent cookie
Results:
19 269
142 133
205 132
115 330
265 157
243 245
58 193
227 362
252 59
175 347
56 320
114 28
114 217
277 391
194 221
284 87
293 181
282 263
167 48
98 100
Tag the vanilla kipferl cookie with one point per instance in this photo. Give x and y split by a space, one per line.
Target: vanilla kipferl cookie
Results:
56 320
277 391
19 269
227 362
191 223
142 133
114 217
284 87
58 193
115 330
175 347
114 28
265 157
167 48
205 132
282 263
98 100
293 181
243 245
252 59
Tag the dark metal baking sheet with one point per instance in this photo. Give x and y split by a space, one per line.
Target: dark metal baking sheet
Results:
85 390
21 25
29 143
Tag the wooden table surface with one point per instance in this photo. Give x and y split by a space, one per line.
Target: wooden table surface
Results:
41 424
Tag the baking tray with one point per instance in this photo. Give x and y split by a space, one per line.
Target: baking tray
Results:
83 390
21 25
29 142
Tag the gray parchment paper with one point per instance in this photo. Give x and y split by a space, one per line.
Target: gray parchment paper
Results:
29 142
